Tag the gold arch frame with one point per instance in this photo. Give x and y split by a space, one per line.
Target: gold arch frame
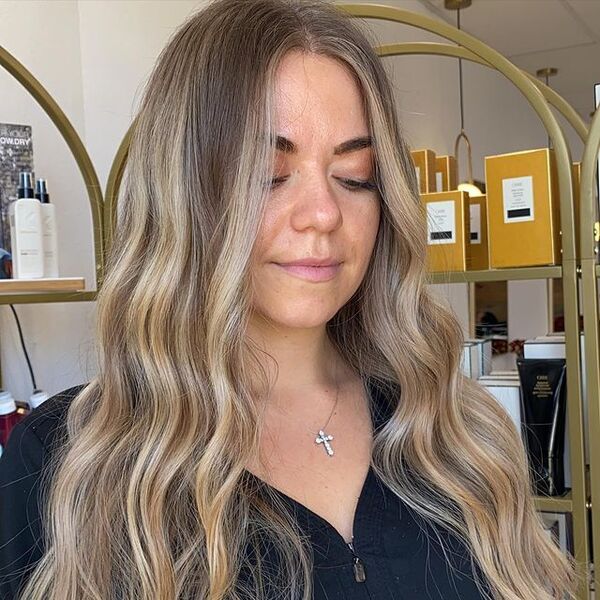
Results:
437 49
589 274
82 158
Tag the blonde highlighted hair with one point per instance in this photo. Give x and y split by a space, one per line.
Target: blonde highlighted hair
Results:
149 497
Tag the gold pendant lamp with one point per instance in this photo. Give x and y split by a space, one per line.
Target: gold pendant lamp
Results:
469 186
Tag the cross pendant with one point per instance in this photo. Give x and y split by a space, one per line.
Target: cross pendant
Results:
322 438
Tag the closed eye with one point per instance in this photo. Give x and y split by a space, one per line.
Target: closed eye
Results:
276 181
353 185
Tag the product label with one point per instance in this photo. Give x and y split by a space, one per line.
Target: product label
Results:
27 237
475 211
441 222
517 196
542 388
439 182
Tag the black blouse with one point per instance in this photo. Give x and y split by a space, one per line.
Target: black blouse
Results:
394 555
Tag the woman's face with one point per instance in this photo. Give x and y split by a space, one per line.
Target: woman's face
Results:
316 209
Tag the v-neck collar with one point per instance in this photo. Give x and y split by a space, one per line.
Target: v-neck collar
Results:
329 545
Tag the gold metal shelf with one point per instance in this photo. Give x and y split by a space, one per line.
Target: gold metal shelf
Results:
550 272
588 204
48 297
555 503
45 284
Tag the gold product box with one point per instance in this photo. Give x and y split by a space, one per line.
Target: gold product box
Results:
446 173
523 209
424 161
447 216
478 247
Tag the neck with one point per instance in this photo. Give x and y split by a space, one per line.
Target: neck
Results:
306 363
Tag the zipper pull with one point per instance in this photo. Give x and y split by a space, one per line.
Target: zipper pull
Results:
359 570
358 566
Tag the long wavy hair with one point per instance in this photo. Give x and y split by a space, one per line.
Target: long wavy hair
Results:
149 496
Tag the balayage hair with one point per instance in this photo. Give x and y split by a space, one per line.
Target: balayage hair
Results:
150 498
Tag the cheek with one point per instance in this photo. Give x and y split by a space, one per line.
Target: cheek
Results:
365 225
373 218
267 235
363 237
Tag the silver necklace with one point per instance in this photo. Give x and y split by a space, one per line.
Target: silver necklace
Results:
324 438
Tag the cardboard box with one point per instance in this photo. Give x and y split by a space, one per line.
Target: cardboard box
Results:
478 237
446 173
424 161
447 231
523 209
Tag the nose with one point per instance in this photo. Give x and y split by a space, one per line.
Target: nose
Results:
317 205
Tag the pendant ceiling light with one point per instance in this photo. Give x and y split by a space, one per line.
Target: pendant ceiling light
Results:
469 186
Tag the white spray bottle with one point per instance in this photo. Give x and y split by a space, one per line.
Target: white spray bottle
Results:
25 217
48 229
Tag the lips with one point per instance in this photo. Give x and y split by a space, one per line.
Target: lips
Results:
308 272
312 262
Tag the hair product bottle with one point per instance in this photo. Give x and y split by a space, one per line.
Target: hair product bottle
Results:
38 397
9 416
48 229
543 413
26 240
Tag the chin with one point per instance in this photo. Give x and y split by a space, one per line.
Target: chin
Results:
308 318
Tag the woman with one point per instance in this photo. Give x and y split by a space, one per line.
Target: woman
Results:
263 429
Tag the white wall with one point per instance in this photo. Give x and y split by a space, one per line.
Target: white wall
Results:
94 57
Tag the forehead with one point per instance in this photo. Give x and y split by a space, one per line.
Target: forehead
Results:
317 95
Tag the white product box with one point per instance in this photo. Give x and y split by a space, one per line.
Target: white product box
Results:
507 390
469 362
559 528
484 348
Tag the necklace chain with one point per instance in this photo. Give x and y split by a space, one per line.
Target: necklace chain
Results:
322 437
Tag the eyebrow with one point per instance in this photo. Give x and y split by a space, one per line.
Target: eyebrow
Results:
287 146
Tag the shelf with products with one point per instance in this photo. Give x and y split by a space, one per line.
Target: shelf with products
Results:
43 284
516 274
60 289
44 290
92 184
